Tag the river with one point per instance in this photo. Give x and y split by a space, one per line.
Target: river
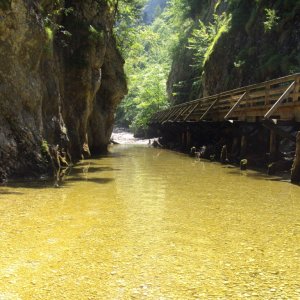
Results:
144 223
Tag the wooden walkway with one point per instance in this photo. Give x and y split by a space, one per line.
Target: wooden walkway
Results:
275 99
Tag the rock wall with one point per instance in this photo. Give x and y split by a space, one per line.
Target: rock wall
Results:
247 53
61 78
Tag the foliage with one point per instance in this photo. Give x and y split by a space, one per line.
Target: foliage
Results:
95 35
51 12
271 19
49 33
148 63
128 19
44 147
203 39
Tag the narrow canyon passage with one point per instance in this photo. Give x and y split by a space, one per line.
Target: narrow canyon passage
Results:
144 223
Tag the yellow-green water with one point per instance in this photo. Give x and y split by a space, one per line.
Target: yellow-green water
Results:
144 223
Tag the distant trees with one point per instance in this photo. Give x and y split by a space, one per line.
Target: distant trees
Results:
148 53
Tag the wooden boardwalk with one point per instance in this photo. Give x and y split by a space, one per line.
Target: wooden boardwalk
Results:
275 99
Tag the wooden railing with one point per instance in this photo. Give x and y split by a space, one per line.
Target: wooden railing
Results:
278 98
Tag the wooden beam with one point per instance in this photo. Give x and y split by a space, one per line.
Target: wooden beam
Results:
161 116
158 115
269 123
183 109
197 104
186 109
278 102
235 106
210 107
176 110
167 115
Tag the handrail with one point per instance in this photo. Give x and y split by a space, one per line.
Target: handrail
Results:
261 99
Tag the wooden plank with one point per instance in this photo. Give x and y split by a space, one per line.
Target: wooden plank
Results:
278 102
296 91
156 116
269 92
174 112
262 84
209 108
171 113
164 113
166 116
235 106
195 106
182 111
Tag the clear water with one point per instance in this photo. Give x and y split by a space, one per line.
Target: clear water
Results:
144 223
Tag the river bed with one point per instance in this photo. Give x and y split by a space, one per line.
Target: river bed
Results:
144 223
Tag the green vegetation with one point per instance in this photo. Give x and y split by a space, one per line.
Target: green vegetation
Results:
204 37
51 12
195 29
44 146
271 19
45 150
148 56
96 35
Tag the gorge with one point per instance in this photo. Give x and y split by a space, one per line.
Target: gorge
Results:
61 79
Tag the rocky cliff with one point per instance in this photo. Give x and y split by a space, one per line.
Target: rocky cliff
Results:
61 78
262 42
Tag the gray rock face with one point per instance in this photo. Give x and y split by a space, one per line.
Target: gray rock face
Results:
59 87
247 53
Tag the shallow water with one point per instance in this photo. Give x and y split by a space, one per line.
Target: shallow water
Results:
144 223
123 136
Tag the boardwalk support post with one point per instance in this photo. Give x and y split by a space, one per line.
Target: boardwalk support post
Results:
188 138
243 147
295 172
273 146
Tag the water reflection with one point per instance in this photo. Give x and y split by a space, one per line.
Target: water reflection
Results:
151 224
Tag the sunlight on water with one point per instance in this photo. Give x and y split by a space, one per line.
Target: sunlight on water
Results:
144 223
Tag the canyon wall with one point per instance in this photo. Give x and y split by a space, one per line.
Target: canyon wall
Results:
261 42
61 78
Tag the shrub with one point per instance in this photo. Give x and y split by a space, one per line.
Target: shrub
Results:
271 19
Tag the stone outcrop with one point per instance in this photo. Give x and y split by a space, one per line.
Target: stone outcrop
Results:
245 54
295 172
61 78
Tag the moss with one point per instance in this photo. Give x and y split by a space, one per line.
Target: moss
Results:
49 33
211 47
44 148
96 35
49 43
45 151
